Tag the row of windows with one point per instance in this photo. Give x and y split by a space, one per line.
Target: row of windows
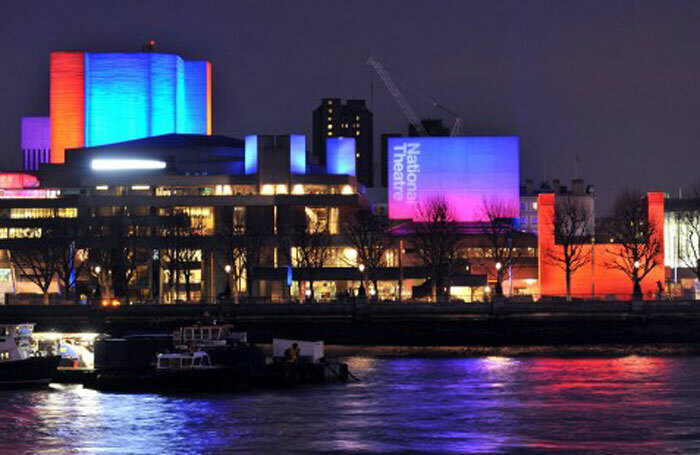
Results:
34 213
229 190
528 205
20 233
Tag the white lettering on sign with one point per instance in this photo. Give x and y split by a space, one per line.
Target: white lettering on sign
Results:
406 170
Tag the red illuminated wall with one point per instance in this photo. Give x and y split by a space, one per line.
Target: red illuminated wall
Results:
607 281
209 98
67 103
17 180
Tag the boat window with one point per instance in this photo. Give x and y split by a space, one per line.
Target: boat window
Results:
164 363
186 362
197 361
206 334
205 361
188 334
197 334
216 333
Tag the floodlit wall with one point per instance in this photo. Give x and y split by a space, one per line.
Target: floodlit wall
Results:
340 156
467 171
103 98
67 103
594 278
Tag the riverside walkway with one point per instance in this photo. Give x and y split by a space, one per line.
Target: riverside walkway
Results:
405 323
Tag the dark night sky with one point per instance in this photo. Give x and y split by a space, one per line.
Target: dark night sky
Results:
614 82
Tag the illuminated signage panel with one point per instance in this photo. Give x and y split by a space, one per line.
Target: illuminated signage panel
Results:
467 171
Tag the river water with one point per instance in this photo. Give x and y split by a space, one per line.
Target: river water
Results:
630 405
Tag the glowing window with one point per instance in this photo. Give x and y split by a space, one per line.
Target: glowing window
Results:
298 189
267 190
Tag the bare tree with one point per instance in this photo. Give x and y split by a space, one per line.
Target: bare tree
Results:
241 250
638 237
181 241
572 226
367 232
436 241
70 240
118 245
689 221
500 234
309 246
229 241
37 260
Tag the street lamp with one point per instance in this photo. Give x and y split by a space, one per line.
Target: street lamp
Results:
227 269
499 289
637 292
98 269
361 290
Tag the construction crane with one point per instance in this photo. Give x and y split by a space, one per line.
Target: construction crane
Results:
457 125
406 108
398 96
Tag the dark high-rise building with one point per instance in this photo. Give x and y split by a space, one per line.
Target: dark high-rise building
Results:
433 126
384 152
352 119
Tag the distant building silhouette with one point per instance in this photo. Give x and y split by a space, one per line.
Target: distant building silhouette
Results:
352 119
384 152
433 126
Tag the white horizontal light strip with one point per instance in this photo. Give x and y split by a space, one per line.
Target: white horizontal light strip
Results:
125 165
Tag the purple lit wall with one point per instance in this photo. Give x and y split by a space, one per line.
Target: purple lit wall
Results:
36 141
467 171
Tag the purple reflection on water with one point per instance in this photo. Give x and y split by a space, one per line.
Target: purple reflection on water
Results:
480 405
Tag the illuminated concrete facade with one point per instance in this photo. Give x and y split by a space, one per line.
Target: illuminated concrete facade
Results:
595 278
103 98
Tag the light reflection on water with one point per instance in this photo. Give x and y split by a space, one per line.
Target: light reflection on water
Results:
480 405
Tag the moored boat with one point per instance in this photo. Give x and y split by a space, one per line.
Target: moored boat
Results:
20 365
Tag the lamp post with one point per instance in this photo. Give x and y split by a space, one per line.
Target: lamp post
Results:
227 291
361 291
499 288
637 293
96 273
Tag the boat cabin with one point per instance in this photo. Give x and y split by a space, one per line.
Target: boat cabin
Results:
15 342
206 336
183 361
